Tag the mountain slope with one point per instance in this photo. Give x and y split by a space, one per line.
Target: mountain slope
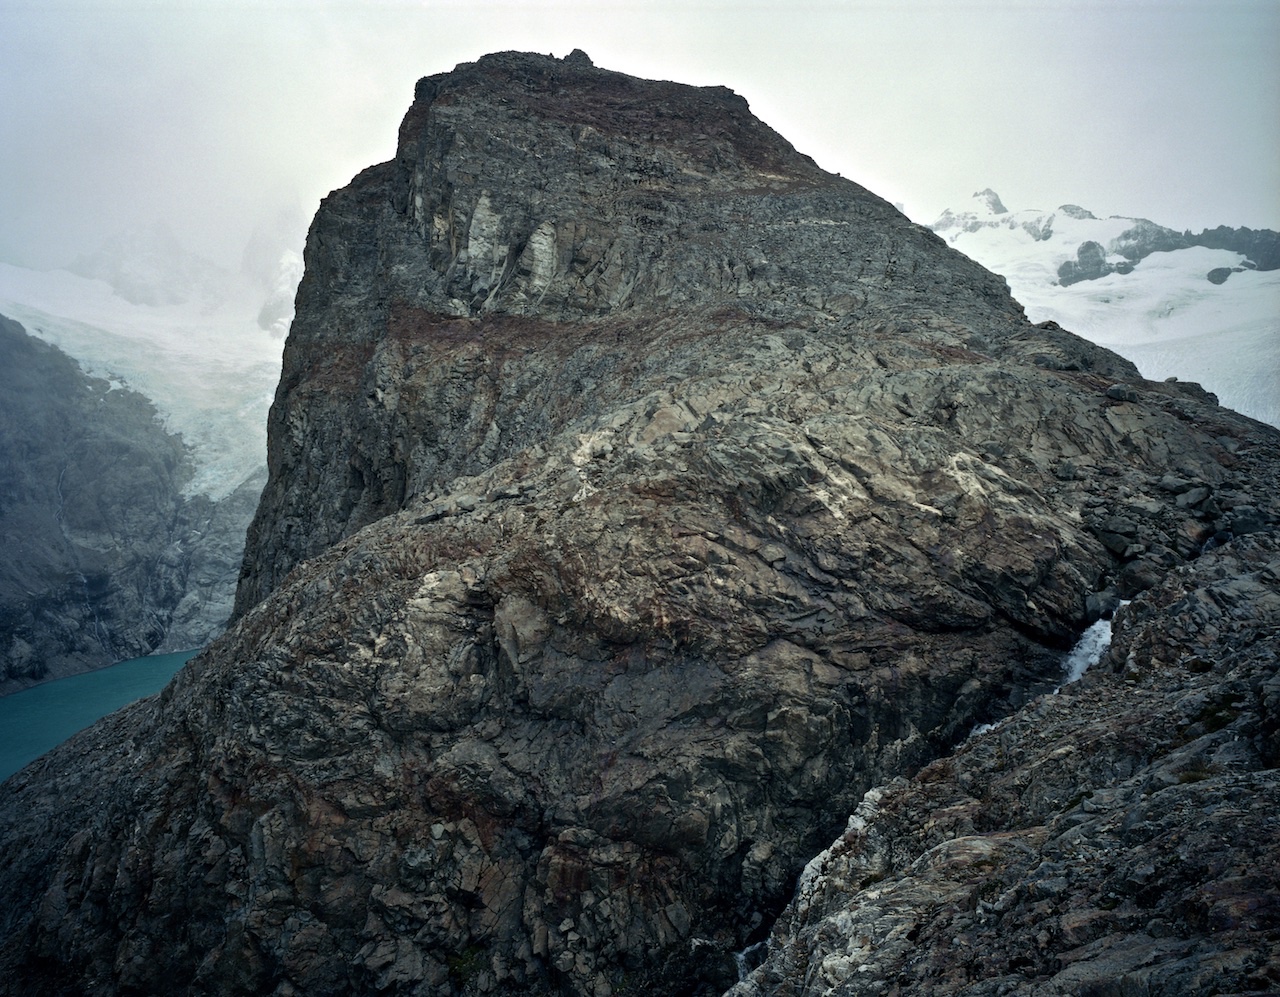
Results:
179 332
641 496
99 541
1200 307
1121 837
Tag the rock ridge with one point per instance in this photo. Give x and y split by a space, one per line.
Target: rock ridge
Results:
602 573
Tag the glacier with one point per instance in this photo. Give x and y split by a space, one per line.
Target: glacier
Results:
1164 314
209 366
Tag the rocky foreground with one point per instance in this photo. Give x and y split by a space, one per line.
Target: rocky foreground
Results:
1120 837
642 499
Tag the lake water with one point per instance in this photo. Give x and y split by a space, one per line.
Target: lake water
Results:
40 718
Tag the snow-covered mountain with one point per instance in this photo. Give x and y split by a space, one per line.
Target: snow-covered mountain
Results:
202 343
1200 308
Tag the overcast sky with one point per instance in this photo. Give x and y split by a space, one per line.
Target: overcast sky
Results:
216 116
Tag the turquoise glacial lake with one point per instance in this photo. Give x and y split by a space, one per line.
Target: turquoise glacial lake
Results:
40 718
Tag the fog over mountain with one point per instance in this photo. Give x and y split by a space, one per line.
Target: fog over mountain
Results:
125 524
210 118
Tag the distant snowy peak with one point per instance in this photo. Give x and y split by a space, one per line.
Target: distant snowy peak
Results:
991 200
148 266
1087 247
1077 212
989 212
1203 307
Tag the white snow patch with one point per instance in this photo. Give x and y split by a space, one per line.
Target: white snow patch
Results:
211 372
1165 316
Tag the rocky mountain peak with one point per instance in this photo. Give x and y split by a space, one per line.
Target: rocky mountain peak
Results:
1077 212
990 202
641 497
527 190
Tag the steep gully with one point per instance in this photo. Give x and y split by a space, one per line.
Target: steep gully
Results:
641 497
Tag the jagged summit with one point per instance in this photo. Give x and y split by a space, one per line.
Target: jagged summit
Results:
990 201
705 127
641 496
549 191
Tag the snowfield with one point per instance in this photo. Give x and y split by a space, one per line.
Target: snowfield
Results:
210 368
1165 315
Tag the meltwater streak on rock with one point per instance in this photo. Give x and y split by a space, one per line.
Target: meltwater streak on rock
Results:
1088 650
641 497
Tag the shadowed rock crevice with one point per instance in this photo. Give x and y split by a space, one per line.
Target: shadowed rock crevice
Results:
1120 836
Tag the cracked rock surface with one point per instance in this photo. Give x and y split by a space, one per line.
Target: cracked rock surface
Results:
1120 837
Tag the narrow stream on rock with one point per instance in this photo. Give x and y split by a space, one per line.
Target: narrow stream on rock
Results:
751 957
1086 653
1089 649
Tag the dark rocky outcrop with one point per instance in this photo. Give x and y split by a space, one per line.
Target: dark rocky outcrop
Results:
1077 212
1090 264
640 498
1120 837
105 558
1261 249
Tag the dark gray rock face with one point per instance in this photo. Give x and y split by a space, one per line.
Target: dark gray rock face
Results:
641 497
104 556
1121 837
503 277
1090 264
1260 246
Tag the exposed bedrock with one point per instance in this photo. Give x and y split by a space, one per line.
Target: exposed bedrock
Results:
1121 837
641 497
